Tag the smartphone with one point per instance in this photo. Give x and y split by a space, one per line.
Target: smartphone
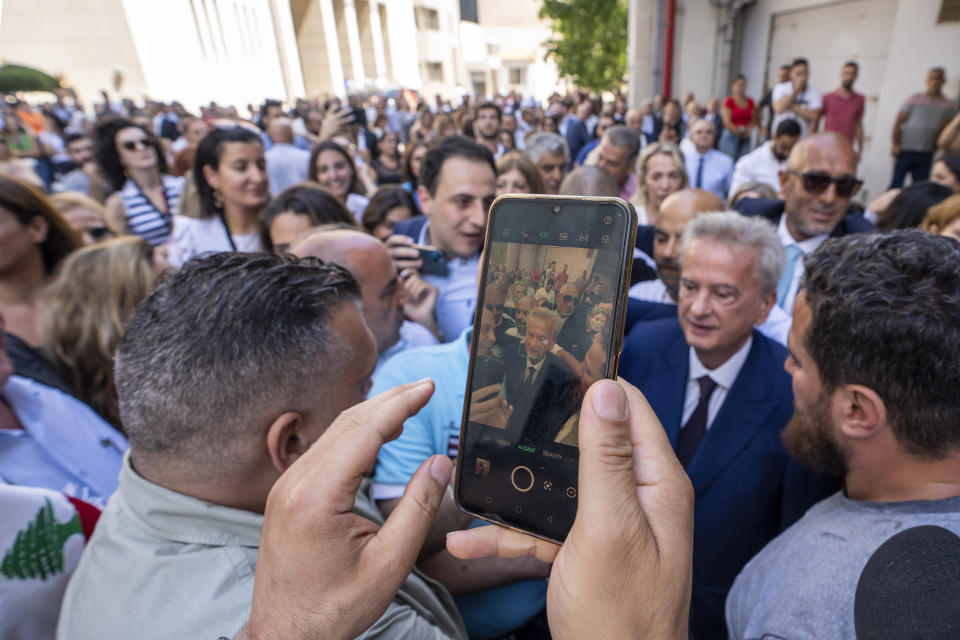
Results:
517 463
434 262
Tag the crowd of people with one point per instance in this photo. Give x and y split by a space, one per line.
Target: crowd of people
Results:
190 303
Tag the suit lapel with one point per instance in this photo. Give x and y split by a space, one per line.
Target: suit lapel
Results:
743 413
668 386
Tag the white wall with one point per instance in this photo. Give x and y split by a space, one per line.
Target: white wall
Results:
914 44
83 39
694 52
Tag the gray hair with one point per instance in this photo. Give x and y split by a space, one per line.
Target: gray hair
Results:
741 232
547 317
697 121
221 348
623 136
545 142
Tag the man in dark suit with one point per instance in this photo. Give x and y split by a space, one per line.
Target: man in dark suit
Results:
538 385
720 391
820 179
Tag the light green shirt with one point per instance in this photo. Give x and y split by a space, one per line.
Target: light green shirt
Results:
162 565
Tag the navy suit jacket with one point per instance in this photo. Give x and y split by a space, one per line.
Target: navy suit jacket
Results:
747 489
411 227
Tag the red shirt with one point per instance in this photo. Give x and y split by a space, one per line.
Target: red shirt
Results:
841 114
740 117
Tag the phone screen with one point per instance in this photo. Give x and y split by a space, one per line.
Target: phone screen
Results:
550 322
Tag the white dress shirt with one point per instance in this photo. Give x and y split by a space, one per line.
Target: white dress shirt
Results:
724 375
651 291
717 169
807 246
760 165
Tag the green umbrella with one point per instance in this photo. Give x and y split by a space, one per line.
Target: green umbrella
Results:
15 77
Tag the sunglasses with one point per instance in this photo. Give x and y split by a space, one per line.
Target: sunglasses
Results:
566 298
816 182
133 145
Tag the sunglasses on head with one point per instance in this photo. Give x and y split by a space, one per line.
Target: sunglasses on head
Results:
133 145
816 182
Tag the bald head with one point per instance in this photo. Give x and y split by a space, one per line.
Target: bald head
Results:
367 260
634 119
676 212
280 131
817 146
811 210
589 181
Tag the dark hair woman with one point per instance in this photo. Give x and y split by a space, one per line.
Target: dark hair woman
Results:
34 238
388 206
412 159
332 168
230 174
135 166
296 209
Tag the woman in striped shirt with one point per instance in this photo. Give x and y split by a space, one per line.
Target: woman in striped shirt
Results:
146 196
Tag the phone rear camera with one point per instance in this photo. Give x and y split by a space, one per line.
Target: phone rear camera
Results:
556 209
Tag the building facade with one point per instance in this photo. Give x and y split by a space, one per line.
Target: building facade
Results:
893 41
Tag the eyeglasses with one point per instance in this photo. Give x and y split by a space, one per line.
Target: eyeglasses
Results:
98 233
133 145
816 182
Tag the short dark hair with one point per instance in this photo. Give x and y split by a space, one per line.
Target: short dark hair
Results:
798 61
484 106
885 313
208 154
267 104
108 157
383 201
222 347
851 63
73 137
453 147
788 127
306 199
909 207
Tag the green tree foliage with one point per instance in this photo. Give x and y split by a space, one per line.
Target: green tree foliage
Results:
37 551
590 41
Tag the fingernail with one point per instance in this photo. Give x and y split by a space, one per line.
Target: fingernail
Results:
440 469
609 401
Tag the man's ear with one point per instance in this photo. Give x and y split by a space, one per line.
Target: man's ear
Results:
766 304
426 202
784 180
860 411
286 441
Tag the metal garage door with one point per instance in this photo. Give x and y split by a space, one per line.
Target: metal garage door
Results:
828 36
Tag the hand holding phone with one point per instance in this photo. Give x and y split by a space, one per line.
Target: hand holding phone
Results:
402 254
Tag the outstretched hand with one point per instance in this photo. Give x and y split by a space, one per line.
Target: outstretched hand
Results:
322 568
625 568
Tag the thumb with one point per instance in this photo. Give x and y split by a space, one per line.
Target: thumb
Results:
606 453
401 536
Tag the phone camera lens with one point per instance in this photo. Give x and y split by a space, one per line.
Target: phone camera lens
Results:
556 209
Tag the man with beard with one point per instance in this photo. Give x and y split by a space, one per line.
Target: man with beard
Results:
765 163
820 180
486 127
843 109
718 387
658 298
873 355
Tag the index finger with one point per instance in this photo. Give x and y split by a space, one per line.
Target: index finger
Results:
357 434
